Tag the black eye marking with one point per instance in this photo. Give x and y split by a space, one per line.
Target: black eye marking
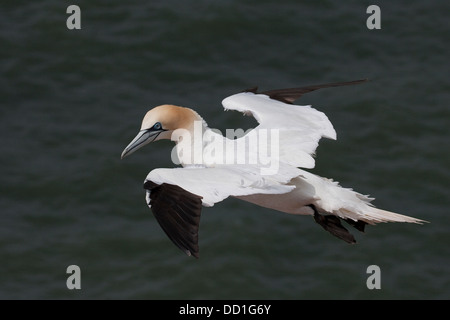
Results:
157 126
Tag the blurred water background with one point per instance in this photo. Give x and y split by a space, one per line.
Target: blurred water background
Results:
71 100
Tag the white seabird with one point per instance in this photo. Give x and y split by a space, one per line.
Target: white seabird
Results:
215 167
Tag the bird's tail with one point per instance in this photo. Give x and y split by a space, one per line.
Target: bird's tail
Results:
375 215
346 203
334 204
332 223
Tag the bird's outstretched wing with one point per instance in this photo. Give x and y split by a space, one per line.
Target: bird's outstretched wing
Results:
299 127
176 195
216 184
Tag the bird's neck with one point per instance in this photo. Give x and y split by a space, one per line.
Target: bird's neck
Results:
190 143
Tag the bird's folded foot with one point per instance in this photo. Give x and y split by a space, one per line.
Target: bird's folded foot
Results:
333 225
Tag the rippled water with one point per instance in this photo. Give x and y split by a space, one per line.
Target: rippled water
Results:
71 100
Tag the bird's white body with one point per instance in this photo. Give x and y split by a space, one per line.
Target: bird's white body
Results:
261 167
216 175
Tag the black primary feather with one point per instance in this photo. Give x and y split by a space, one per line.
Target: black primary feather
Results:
292 94
178 213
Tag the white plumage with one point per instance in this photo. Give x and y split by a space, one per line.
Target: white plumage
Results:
300 127
262 167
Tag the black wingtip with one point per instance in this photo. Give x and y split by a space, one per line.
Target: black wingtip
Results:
178 213
289 96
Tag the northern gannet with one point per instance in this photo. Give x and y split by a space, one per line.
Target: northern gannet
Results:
262 166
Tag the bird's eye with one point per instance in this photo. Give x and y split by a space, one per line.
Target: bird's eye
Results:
157 126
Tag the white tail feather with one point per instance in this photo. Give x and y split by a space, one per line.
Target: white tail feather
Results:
378 215
348 204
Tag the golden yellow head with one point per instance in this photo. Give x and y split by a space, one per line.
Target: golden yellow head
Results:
159 123
170 117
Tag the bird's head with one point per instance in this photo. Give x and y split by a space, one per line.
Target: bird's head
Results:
160 123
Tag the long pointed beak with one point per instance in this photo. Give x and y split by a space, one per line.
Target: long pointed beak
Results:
143 137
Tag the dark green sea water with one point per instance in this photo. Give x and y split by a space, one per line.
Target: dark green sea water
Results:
71 100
